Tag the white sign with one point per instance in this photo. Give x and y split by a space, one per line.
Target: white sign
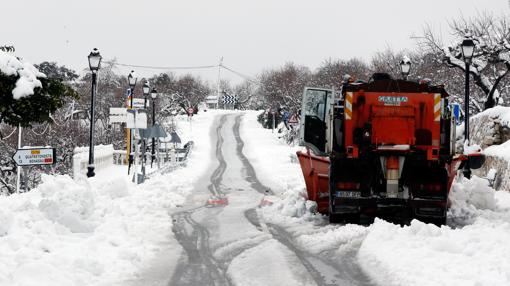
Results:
118 115
34 156
136 119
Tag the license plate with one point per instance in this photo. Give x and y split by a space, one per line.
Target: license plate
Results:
348 194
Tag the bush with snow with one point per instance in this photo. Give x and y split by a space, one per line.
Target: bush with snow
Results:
27 73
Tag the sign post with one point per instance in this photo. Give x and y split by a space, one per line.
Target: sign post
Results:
136 119
18 168
190 111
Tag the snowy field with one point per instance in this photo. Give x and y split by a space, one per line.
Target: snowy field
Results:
107 231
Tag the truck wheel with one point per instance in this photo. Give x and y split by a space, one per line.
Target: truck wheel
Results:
353 218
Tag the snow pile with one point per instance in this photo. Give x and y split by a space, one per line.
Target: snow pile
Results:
501 151
28 74
500 112
275 162
71 233
489 127
424 254
99 231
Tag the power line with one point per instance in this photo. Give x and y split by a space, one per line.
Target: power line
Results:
248 78
161 67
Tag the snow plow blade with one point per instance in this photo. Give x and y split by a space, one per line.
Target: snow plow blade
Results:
316 173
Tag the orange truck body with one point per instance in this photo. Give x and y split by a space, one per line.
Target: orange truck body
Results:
392 151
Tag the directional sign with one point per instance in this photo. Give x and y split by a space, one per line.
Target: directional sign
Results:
34 156
118 115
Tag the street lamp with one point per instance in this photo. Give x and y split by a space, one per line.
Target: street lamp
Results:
132 79
132 83
468 49
154 94
405 67
94 65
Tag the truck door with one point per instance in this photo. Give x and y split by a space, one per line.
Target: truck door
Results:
314 113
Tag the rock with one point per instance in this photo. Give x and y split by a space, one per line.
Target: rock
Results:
488 141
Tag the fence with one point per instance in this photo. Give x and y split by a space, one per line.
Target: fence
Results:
103 158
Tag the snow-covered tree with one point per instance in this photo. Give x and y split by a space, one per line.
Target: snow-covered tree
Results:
28 96
284 86
491 61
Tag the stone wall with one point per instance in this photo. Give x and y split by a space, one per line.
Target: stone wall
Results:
487 129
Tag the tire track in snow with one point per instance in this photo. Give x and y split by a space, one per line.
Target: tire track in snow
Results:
200 268
251 175
217 175
324 272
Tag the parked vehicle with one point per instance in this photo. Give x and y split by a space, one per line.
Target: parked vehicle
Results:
382 148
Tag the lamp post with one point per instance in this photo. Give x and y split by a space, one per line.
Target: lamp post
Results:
405 67
154 94
468 49
146 91
94 65
132 83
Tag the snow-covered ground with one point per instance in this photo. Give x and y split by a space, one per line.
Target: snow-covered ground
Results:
107 231
102 231
472 249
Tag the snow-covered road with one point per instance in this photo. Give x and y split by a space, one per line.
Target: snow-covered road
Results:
237 214
227 243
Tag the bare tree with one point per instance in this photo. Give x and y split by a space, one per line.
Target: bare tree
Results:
284 86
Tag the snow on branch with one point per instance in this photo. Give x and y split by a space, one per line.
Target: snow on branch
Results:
28 74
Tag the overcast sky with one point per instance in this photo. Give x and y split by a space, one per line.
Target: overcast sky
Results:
251 35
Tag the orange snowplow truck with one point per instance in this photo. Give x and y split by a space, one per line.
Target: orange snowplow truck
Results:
383 148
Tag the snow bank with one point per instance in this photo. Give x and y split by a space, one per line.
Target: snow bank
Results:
489 127
502 151
274 161
28 74
424 254
99 231
72 233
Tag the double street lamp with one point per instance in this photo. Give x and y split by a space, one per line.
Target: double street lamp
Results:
154 94
94 65
468 49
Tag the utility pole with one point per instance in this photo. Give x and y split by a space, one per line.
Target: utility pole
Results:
18 170
219 79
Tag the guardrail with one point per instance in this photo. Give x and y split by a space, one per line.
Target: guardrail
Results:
176 159
103 158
